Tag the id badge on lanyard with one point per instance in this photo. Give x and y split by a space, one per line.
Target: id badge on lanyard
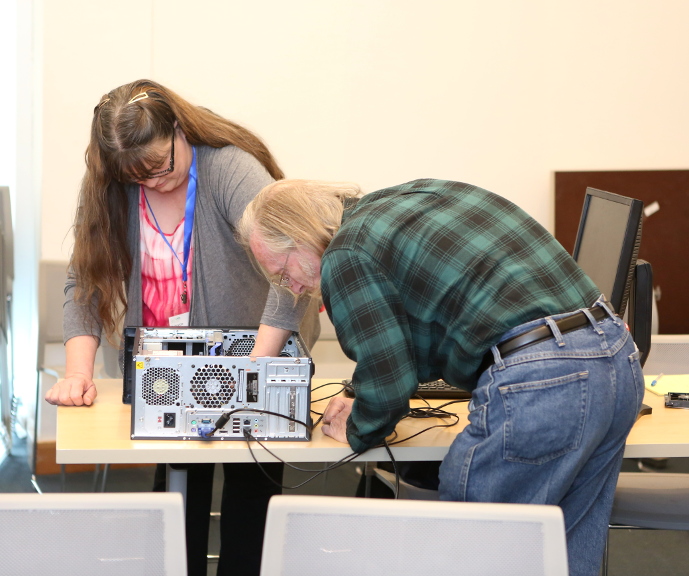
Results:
189 208
179 319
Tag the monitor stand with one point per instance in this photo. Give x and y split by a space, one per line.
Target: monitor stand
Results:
645 409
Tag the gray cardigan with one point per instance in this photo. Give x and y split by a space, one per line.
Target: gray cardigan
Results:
227 289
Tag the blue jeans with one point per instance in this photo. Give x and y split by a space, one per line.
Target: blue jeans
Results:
547 425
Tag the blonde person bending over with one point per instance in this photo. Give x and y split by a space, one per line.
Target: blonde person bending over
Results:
434 279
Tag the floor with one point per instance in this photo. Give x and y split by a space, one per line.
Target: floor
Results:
632 552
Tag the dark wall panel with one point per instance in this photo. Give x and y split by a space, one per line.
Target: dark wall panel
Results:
665 236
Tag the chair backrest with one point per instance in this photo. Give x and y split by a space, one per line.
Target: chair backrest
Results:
669 354
51 297
8 234
87 534
6 260
379 537
6 281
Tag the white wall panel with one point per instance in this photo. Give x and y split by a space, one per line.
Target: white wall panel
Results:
89 47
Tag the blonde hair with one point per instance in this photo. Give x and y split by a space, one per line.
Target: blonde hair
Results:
296 213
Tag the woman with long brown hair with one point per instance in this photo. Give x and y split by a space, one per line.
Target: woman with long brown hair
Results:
166 183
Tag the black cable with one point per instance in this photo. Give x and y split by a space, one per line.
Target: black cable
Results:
394 469
343 387
451 402
248 436
422 412
419 397
326 384
394 435
225 417
432 412
425 430
344 460
326 397
428 412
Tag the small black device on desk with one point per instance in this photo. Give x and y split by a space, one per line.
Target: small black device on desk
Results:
677 400
438 389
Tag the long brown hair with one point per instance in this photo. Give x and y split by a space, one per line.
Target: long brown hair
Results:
125 123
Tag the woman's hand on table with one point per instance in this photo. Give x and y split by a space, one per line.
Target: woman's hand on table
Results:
73 390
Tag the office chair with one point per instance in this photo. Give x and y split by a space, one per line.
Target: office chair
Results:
52 275
343 536
51 281
86 534
8 400
658 500
670 354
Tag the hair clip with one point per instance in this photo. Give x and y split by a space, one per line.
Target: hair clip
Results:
138 97
101 104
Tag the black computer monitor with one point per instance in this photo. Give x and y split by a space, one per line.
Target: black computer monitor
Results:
607 243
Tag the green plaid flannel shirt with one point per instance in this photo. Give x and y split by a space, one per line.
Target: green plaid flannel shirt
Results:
423 278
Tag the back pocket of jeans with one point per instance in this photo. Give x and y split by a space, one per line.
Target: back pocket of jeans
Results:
545 419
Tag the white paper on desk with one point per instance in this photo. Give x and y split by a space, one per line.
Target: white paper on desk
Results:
668 383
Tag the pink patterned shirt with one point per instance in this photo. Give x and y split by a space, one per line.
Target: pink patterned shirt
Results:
161 273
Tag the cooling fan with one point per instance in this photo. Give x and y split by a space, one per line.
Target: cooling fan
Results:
244 347
160 386
241 347
213 386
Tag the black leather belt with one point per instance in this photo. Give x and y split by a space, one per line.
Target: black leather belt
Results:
541 334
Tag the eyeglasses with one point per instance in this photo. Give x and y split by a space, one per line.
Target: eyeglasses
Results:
283 281
172 161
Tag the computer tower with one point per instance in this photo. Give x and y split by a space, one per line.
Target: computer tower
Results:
180 381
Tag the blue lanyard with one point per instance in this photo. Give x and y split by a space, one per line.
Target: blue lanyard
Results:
188 222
